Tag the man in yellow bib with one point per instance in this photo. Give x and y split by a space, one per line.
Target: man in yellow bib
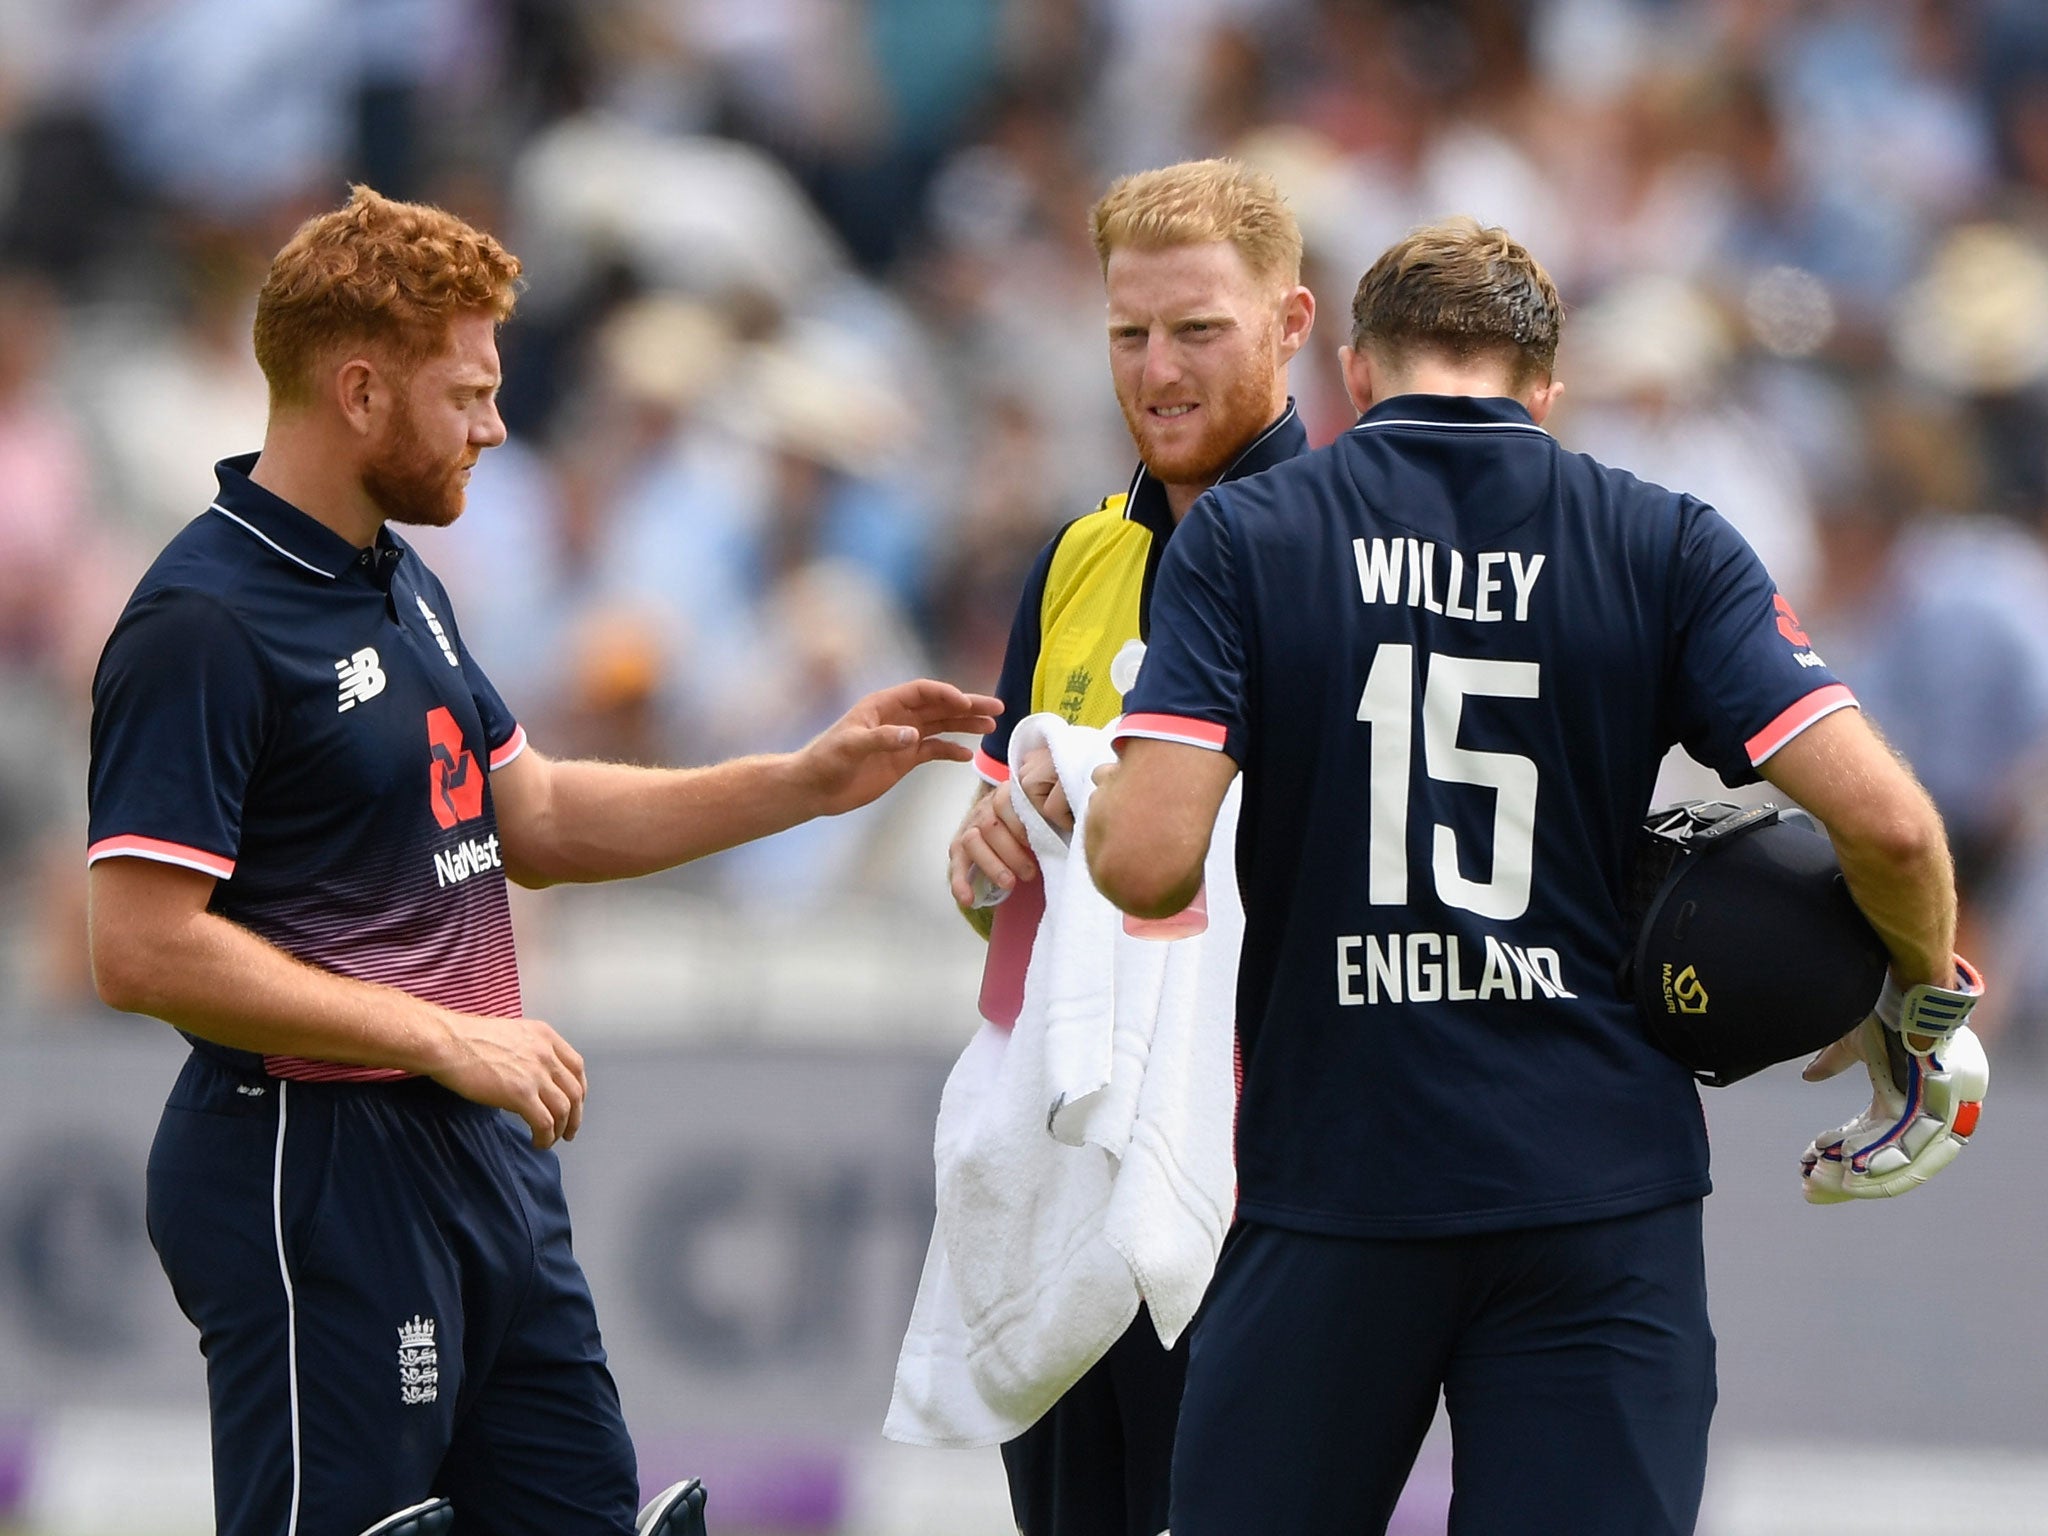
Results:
1202 265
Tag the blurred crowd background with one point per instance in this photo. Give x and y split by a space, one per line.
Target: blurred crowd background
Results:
811 361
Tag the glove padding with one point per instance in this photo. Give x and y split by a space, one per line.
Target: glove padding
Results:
1924 1101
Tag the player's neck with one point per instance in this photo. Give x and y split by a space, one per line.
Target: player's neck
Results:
297 466
1181 497
1441 377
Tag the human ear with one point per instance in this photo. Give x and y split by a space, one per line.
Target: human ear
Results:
1361 381
360 393
1297 319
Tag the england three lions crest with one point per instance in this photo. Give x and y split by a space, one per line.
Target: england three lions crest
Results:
419 1363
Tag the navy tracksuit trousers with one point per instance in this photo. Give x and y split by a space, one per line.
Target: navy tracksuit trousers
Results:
1576 1364
385 1295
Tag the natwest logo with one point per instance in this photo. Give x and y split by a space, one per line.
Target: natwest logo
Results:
455 783
454 865
1788 623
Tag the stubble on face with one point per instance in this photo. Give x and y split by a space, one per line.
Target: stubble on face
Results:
1238 413
409 483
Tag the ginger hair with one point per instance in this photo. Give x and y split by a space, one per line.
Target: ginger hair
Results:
1462 290
374 272
1194 203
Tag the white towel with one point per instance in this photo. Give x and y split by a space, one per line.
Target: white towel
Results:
1084 1162
935 1401
1176 1184
1084 972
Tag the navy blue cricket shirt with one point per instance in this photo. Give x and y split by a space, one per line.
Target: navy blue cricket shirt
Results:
298 718
1449 657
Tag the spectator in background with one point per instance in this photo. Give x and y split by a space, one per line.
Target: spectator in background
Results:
1881 136
229 109
174 383
825 632
1653 371
557 574
45 492
754 460
1007 289
62 203
60 580
765 565
1004 511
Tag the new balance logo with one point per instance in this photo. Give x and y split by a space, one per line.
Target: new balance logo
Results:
360 677
470 857
440 635
419 1362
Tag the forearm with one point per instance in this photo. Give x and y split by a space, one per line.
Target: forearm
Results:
217 980
582 821
1144 853
1908 892
610 821
1887 836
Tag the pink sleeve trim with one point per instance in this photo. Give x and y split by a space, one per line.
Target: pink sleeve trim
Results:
1193 733
1819 703
132 847
989 768
514 745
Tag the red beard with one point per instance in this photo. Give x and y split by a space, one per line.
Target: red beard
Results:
1230 422
409 484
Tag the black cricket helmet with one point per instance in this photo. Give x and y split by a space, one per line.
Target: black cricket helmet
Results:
1749 950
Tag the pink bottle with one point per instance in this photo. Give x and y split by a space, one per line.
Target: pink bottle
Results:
1184 924
1009 952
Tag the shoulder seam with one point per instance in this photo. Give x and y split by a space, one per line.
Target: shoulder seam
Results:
220 604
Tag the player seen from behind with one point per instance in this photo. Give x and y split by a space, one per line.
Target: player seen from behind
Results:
1448 658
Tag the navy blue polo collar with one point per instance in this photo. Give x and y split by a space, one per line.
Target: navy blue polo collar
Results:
293 535
1286 438
1448 411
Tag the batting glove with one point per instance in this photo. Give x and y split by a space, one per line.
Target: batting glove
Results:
1928 1074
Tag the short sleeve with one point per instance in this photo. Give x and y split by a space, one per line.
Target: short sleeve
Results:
504 738
1020 664
503 734
181 711
1192 687
1748 677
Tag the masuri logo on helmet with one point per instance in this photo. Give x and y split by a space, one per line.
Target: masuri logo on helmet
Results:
1755 898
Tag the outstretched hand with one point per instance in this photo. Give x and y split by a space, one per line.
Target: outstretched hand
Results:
873 745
